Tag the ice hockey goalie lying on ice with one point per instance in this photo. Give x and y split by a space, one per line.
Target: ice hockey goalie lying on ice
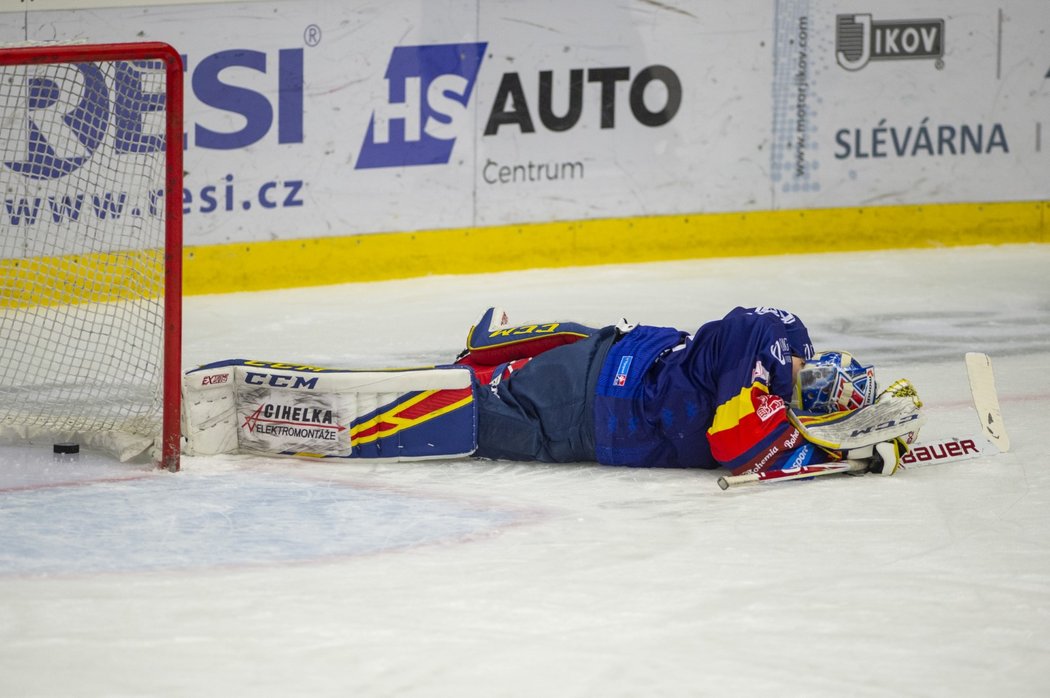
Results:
746 392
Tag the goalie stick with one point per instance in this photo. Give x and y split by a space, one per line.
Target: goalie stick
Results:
805 471
986 399
993 440
919 455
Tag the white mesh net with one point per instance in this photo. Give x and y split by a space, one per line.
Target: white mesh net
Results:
82 236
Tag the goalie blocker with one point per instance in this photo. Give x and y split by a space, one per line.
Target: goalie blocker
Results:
243 406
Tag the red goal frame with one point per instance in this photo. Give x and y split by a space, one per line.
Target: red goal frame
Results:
143 51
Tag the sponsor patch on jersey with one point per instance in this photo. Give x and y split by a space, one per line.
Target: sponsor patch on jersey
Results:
620 379
767 405
801 458
760 373
780 350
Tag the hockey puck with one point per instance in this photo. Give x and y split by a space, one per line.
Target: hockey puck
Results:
65 449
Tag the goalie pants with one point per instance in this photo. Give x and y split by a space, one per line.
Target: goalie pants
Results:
544 411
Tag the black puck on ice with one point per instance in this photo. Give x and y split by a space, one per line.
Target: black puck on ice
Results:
65 449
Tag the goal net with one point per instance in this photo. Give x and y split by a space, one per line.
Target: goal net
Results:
91 247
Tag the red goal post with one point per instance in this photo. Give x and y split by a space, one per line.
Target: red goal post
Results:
91 245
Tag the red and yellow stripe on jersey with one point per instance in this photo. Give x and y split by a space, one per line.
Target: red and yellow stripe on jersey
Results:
752 433
751 430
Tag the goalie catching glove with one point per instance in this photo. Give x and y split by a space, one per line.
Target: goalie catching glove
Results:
884 457
896 412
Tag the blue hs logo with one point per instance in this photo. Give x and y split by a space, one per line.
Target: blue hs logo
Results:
67 117
429 89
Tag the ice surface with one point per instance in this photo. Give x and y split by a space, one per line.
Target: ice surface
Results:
265 577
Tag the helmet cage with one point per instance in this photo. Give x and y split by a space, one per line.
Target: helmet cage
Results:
825 385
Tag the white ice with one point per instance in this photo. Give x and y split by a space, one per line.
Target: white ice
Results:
265 577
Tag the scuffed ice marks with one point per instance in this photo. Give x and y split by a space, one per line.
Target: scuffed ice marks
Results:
244 519
929 336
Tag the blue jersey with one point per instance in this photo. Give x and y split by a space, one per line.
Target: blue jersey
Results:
716 398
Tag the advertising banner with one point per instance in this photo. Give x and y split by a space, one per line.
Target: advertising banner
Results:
910 103
315 118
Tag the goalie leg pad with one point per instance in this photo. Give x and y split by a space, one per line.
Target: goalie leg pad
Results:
308 411
494 341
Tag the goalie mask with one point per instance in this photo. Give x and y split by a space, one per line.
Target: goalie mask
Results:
834 381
